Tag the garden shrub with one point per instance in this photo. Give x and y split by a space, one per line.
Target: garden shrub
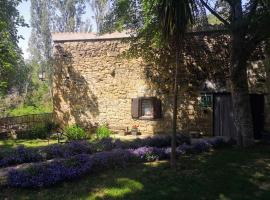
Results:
103 132
75 132
67 150
26 155
20 155
49 173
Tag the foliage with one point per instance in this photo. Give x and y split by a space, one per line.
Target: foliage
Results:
10 55
213 20
48 16
50 173
100 8
210 176
37 132
18 156
103 132
75 132
83 147
65 151
28 110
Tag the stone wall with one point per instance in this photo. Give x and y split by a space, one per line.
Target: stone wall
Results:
93 85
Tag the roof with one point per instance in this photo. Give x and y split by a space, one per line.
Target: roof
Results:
72 36
69 36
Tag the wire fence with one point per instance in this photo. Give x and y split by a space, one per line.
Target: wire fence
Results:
25 122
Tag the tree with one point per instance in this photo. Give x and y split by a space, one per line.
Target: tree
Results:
100 9
49 16
248 26
174 17
86 27
67 15
11 61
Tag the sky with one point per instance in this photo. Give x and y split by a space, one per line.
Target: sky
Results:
24 9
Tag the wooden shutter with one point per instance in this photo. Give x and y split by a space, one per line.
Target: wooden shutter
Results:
135 107
157 108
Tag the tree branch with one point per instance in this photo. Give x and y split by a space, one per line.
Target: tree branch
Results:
253 9
224 21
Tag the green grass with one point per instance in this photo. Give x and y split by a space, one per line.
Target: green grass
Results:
9 144
224 174
29 110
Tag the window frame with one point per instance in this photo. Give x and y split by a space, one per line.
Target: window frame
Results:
156 105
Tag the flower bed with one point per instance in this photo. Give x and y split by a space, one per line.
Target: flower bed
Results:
41 175
27 155
50 173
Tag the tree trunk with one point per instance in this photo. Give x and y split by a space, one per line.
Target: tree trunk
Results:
267 97
239 81
174 121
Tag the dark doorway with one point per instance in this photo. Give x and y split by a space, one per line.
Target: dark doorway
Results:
223 124
257 109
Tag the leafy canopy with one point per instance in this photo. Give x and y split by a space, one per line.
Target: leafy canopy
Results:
10 53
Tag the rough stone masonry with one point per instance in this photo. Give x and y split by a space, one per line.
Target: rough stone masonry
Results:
94 85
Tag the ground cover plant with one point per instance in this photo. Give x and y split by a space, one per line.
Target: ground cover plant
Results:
26 155
52 172
228 173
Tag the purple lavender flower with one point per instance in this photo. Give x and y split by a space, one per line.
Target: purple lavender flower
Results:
201 146
20 155
46 174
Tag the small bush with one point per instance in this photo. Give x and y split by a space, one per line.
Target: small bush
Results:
75 132
103 132
20 155
50 173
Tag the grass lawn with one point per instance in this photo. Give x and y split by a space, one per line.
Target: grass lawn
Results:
8 145
28 143
223 174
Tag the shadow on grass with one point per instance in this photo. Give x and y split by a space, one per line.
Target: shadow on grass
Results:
224 174
9 145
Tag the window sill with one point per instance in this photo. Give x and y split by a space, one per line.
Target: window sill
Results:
146 117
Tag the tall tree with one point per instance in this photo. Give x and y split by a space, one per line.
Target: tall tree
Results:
40 42
11 60
49 16
173 18
68 15
86 26
249 26
100 9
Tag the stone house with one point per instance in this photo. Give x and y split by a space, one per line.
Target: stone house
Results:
93 85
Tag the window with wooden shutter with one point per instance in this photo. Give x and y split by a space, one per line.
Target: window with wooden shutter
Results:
135 107
146 108
157 108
